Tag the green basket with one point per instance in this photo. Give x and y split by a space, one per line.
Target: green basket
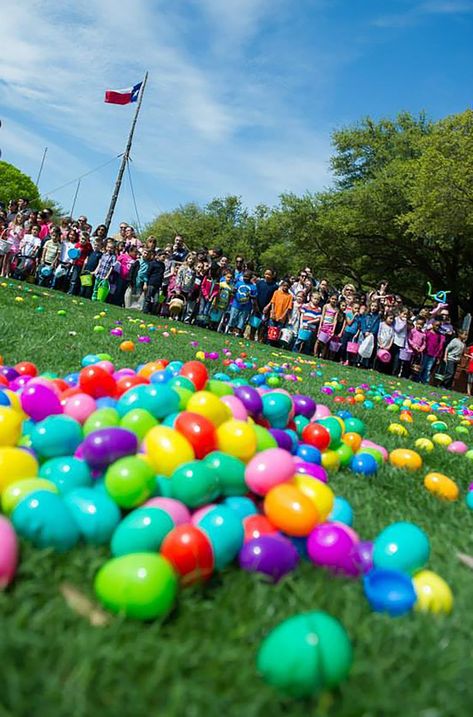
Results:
103 291
86 279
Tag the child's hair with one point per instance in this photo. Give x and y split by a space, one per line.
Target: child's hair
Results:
315 296
462 334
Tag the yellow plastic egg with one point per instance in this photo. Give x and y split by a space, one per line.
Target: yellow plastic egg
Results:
16 464
15 492
398 429
406 416
209 405
331 460
10 426
442 439
359 398
405 458
320 494
167 449
237 438
431 418
424 444
441 485
200 355
433 593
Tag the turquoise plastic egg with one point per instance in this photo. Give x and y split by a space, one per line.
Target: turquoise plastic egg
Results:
143 530
334 428
342 512
276 408
67 473
242 506
158 399
56 436
230 473
300 422
96 514
469 499
45 519
355 425
224 529
401 546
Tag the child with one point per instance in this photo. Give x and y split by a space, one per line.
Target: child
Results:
194 294
134 294
154 281
434 343
104 269
369 326
85 248
416 343
186 277
328 320
453 354
280 305
350 332
400 339
208 292
309 321
385 339
469 370
90 265
125 259
49 256
244 299
221 301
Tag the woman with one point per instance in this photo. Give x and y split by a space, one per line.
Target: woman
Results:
14 234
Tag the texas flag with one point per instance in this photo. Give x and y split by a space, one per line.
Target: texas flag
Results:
123 97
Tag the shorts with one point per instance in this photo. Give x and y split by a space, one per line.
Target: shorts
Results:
238 318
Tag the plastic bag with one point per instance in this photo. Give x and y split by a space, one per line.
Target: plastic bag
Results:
366 347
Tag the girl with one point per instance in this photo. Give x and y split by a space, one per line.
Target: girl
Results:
350 332
309 321
14 235
208 292
369 326
328 320
339 328
385 340
400 338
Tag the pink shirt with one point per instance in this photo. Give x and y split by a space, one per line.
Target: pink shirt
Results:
125 261
416 340
434 344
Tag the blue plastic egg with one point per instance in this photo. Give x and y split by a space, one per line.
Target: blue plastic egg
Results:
389 591
67 473
56 435
224 530
141 531
401 546
44 518
363 463
159 399
309 453
342 512
241 505
96 514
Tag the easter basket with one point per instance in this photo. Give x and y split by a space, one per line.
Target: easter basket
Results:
304 334
334 345
287 335
405 354
255 322
5 246
86 279
324 337
352 347
274 332
103 291
383 355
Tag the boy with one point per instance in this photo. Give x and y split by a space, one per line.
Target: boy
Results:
280 305
453 354
90 265
221 301
104 268
49 256
154 281
243 300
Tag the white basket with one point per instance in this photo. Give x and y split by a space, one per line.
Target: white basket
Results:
5 246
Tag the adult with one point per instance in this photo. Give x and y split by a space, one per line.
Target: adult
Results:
323 289
239 268
179 249
120 236
299 283
83 225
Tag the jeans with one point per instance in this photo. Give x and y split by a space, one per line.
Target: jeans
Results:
449 374
426 370
74 288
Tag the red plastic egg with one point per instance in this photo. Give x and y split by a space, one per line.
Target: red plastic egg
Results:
190 553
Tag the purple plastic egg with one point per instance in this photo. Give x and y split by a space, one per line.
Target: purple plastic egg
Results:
107 445
250 398
334 546
364 555
312 469
272 555
303 405
9 372
39 401
282 438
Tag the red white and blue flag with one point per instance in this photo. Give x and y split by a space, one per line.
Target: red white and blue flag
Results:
123 97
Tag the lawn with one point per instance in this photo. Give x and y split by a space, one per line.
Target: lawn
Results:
201 659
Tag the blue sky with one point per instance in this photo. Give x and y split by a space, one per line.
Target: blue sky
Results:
242 95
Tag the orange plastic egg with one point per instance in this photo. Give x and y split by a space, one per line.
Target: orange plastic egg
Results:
289 510
127 346
353 440
405 458
441 485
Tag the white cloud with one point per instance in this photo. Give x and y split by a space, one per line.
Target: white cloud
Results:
201 114
416 12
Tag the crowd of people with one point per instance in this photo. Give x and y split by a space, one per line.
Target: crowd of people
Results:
205 287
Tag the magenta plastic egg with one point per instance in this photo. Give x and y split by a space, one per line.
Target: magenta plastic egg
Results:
269 468
311 469
236 407
457 447
79 406
8 552
334 546
39 401
177 510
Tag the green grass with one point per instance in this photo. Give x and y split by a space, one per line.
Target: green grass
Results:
201 659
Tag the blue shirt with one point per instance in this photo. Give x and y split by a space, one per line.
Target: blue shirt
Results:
370 323
264 292
244 293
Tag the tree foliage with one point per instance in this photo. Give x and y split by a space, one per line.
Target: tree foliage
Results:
15 184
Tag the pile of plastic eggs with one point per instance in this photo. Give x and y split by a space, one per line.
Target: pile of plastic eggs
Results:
182 474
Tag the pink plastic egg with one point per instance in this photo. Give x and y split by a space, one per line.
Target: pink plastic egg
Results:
79 406
236 407
268 469
177 510
457 447
8 552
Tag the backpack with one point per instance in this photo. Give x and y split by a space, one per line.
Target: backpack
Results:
242 294
223 298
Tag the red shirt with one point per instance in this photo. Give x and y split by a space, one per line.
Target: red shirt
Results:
85 250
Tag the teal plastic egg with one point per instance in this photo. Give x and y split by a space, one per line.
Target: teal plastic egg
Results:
56 436
67 473
45 519
95 513
355 425
141 531
401 546
195 483
230 473
224 529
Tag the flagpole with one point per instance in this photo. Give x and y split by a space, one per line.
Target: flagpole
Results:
125 158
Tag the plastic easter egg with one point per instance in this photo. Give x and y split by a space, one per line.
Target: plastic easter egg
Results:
341 512
433 593
251 400
16 464
364 464
108 445
182 382
236 407
405 458
237 438
442 439
272 555
39 401
96 381
401 546
199 431
26 368
353 440
158 399
79 407
355 425
439 427
334 428
319 493
189 552
8 552
264 439
469 499
67 473
269 468
276 408
300 423
141 531
344 453
44 519
140 585
101 418
230 473
311 469
10 426
331 461
224 529
309 453
177 511
397 429
304 406
316 435
390 591
333 545
441 486
469 454
242 506
424 444
364 556
457 447
290 510
139 422
196 372
195 483
206 404
305 654
255 526
15 492
56 436
219 388
95 513
127 346
130 481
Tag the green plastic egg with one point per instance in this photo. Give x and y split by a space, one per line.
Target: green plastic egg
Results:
264 439
102 418
195 483
345 454
219 388
130 481
15 492
142 530
334 428
139 422
355 425
230 473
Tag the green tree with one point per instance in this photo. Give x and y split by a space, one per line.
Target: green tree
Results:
14 184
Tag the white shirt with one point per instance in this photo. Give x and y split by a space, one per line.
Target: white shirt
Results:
29 245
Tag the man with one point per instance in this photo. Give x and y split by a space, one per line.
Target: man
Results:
239 268
179 249
323 290
23 207
121 233
265 289
83 225
453 355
